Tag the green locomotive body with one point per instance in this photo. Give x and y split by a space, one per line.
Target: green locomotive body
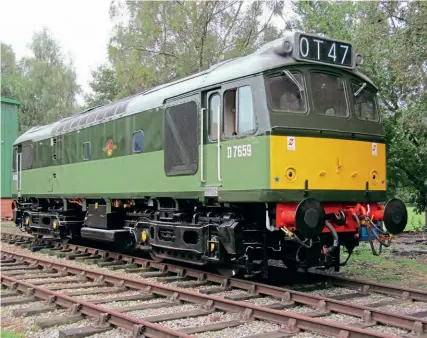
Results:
256 158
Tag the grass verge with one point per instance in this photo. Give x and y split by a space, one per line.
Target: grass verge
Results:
388 268
9 334
415 221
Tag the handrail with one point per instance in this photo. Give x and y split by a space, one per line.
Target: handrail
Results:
219 143
202 179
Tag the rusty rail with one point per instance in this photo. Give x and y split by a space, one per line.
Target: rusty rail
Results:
387 289
292 320
92 310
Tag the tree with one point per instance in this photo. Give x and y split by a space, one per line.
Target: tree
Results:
391 36
45 82
167 40
104 86
9 71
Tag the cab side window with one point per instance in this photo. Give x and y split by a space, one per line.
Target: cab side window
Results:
214 104
238 114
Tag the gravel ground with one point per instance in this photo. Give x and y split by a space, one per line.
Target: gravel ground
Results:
229 293
310 335
64 280
99 289
342 319
372 298
27 325
21 266
406 308
394 331
331 292
246 329
212 318
114 333
29 272
83 284
162 311
115 305
106 294
53 332
299 309
261 301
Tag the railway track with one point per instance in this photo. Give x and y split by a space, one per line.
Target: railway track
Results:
210 293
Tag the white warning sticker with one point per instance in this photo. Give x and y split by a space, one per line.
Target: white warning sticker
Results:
291 143
374 149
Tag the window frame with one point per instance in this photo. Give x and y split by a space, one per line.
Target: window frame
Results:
236 120
27 156
345 89
89 151
210 115
185 169
375 94
304 84
133 141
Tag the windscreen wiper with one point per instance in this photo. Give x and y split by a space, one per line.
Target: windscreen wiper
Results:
360 89
294 80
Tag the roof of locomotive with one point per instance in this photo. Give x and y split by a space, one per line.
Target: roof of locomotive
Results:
268 56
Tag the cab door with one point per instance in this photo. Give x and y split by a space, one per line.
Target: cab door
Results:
210 151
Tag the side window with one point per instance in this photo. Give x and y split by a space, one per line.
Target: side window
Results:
138 141
245 111
15 153
238 112
27 156
86 151
181 140
230 117
214 102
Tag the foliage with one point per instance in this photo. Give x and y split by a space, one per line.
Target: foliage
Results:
391 37
104 86
167 40
45 82
10 334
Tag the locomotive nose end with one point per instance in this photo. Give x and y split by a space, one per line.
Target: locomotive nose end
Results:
395 216
310 217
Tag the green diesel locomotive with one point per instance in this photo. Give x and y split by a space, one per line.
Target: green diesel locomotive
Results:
276 155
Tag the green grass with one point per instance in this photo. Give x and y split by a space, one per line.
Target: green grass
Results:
9 334
415 221
387 268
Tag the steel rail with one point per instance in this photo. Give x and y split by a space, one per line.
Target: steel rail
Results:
392 290
387 289
292 320
356 310
113 317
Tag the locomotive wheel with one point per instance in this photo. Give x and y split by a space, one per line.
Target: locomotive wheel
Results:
291 264
230 272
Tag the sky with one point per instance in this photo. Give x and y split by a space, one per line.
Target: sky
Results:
82 28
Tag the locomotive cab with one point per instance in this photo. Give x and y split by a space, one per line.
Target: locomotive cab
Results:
327 152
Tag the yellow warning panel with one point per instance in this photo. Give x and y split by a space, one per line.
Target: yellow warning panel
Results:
327 164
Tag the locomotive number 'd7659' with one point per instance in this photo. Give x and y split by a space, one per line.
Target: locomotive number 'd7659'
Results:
243 150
